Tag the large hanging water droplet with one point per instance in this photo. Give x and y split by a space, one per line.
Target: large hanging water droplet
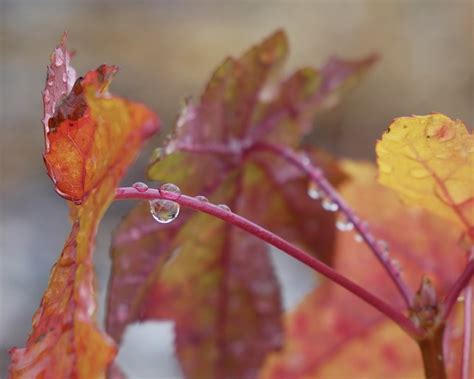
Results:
172 189
314 192
140 186
329 205
164 211
343 223
224 207
202 199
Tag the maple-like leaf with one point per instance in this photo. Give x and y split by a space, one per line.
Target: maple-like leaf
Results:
222 277
332 333
91 138
429 162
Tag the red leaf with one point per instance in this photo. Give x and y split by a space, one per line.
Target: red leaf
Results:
91 139
210 153
357 340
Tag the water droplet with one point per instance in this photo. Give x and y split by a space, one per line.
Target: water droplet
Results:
343 223
140 187
383 245
202 199
164 211
64 77
157 155
314 192
358 238
396 265
329 205
224 207
58 57
461 298
305 160
419 173
172 189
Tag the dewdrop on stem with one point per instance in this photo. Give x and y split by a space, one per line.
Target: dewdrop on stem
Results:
328 204
140 186
343 224
313 191
173 191
163 210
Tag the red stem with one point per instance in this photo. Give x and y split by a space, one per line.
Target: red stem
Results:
458 286
316 175
467 342
279 243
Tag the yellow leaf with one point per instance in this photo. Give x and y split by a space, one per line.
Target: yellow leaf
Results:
429 161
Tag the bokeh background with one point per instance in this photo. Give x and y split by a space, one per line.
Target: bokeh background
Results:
166 51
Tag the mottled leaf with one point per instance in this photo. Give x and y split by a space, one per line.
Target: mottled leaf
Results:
334 334
429 162
91 138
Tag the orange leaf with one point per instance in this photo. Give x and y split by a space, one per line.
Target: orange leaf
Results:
91 138
334 334
429 161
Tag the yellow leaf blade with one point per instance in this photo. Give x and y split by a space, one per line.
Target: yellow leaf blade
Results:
429 162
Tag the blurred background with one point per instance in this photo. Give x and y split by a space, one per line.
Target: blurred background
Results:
166 51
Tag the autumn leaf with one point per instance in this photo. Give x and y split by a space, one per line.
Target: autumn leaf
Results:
227 273
91 138
429 162
334 334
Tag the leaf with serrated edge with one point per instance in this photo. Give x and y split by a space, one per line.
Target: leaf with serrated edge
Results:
91 139
429 162
359 341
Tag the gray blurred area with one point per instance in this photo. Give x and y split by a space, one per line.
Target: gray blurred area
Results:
166 51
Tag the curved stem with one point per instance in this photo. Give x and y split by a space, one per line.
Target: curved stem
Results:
279 243
467 341
458 286
316 175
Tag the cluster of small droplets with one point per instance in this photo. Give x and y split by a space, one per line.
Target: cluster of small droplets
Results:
165 211
140 186
383 246
343 224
